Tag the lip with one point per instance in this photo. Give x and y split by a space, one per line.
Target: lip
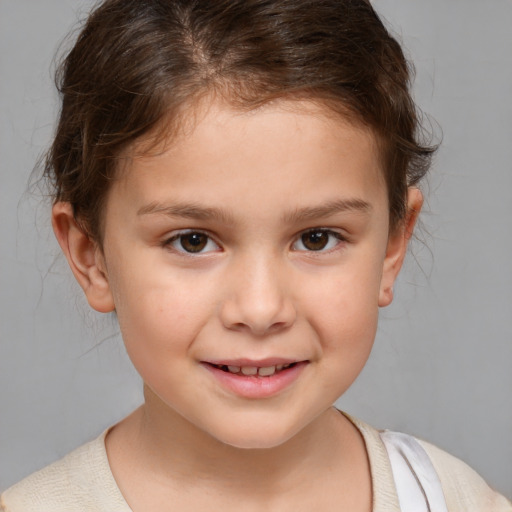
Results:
252 386
260 363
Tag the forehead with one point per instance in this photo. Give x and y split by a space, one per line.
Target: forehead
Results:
280 151
199 113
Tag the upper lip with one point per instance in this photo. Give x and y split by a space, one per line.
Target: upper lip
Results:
258 363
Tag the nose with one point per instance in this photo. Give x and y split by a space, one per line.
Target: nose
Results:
258 298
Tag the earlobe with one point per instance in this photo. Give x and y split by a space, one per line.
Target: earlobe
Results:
84 257
397 247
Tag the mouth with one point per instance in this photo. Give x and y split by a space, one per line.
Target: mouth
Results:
256 379
255 371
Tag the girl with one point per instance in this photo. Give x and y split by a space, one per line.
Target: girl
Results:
237 181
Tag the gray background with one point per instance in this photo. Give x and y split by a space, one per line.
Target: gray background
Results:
441 368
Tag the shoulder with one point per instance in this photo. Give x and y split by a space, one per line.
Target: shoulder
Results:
464 489
80 481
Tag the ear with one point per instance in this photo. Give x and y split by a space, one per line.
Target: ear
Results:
84 257
397 246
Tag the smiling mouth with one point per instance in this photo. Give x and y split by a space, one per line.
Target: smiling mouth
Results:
256 371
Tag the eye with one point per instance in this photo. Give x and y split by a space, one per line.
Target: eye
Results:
317 240
192 242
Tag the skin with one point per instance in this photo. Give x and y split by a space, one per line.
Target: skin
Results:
254 183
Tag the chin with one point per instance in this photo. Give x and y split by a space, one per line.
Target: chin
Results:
256 443
255 436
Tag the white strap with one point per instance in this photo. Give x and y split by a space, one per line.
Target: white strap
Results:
417 484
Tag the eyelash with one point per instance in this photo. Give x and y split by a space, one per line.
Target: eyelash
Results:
320 231
208 240
169 242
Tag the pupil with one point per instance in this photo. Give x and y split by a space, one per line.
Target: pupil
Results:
193 242
315 240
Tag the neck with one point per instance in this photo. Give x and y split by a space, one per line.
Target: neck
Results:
187 450
168 448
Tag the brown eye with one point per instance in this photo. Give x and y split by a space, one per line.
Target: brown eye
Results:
315 240
318 240
193 242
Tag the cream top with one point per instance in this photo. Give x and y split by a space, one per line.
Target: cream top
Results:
82 480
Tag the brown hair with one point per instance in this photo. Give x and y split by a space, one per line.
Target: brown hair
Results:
136 63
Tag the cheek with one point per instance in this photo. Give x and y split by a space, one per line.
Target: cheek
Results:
346 301
347 333
160 317
344 314
157 333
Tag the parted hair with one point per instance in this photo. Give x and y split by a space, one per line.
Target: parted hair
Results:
140 64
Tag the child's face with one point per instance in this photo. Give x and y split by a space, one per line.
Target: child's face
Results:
255 240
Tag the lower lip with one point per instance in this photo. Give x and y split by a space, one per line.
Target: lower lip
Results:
252 386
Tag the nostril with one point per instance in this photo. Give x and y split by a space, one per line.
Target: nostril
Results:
239 326
279 326
259 329
257 314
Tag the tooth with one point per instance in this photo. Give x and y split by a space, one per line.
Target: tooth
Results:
279 367
234 369
267 371
249 370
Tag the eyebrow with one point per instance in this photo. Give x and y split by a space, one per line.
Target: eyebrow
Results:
187 211
197 212
327 210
